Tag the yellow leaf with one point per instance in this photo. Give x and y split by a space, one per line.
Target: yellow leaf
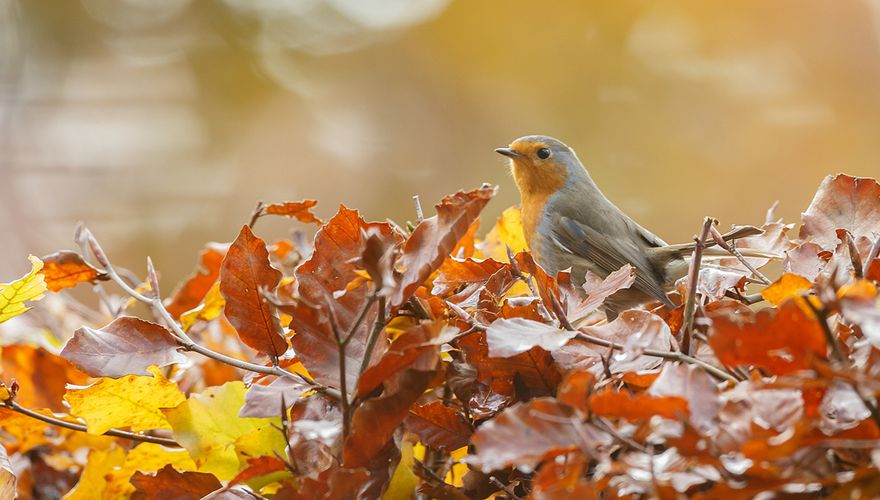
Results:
146 457
264 441
133 400
459 468
209 309
13 295
207 425
92 482
404 481
508 231
858 290
787 286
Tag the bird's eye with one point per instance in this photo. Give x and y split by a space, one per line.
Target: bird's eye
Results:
544 153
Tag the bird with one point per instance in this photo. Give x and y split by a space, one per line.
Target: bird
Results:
568 223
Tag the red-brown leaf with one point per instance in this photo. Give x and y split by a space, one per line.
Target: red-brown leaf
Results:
258 466
639 407
412 347
439 426
299 210
779 340
245 272
169 483
435 237
323 282
193 290
528 433
127 346
66 269
535 367
842 202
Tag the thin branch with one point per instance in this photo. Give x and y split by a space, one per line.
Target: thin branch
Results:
420 215
504 487
854 256
873 253
374 336
693 279
731 247
14 406
343 379
181 336
256 214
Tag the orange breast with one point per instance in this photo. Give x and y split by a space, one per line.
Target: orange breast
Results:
536 187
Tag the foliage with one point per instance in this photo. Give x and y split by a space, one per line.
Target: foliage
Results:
383 361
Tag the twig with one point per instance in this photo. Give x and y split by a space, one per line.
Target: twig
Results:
374 336
256 214
505 487
14 406
420 215
693 278
854 256
745 299
343 379
719 240
822 317
873 253
181 336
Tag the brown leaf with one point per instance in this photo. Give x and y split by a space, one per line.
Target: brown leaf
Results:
779 340
245 272
41 375
374 422
694 385
299 210
413 348
169 483
534 367
323 282
66 269
565 479
807 260
842 202
439 426
257 467
189 294
872 271
639 407
575 389
528 433
598 289
264 401
509 337
127 346
435 237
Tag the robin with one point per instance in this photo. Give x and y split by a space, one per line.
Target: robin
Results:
569 223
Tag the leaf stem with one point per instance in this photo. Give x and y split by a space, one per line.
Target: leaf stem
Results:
12 405
374 336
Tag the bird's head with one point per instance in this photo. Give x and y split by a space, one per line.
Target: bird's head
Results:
541 165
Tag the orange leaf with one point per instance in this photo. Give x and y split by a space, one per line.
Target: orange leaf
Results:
66 269
299 210
169 483
193 290
439 426
244 273
786 287
614 404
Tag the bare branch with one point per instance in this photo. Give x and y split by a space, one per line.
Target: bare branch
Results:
693 279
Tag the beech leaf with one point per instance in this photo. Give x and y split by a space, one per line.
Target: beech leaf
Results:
66 269
245 272
509 337
127 346
843 202
15 295
299 210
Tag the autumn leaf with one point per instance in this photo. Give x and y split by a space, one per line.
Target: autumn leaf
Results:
93 481
15 295
169 483
786 287
299 210
131 401
696 387
127 346
188 295
779 340
528 433
807 260
509 337
599 289
244 273
264 401
507 232
145 457
639 407
210 309
575 389
66 269
207 425
7 475
535 367
41 375
439 426
435 237
842 202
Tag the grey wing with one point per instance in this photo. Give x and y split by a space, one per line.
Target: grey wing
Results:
612 254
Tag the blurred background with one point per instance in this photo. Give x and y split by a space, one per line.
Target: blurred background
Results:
161 123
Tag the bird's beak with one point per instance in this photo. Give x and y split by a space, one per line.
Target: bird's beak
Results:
508 153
